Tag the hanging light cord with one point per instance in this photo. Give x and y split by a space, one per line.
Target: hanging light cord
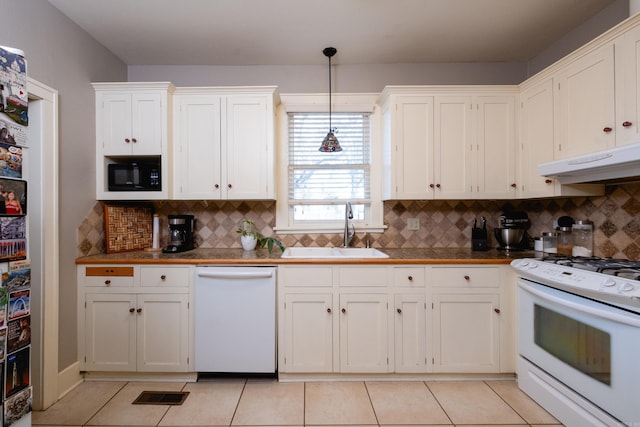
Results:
330 128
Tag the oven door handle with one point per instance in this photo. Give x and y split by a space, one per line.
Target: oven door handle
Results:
604 314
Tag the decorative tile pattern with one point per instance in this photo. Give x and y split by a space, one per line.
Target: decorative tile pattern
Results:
443 223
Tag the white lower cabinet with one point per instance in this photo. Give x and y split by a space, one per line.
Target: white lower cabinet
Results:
136 318
308 320
363 333
402 319
466 335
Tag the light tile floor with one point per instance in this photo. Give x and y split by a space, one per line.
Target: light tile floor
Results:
266 402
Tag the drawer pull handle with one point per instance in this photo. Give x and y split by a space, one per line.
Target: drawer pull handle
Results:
467 278
626 124
607 129
514 185
410 278
329 310
131 310
497 310
139 310
399 311
344 311
107 282
163 277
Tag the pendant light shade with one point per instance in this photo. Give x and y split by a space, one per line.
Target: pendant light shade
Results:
330 143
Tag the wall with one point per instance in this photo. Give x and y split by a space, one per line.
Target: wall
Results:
444 224
64 57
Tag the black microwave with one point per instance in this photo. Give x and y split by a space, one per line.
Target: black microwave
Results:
134 176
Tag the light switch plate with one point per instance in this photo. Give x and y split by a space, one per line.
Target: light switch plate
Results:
413 224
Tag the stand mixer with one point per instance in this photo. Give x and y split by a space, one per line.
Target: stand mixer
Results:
511 233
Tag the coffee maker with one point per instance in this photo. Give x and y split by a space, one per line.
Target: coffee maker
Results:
180 233
511 233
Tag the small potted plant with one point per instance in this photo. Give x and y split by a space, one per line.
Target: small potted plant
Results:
250 238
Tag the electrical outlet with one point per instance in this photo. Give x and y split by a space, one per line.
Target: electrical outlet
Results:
413 224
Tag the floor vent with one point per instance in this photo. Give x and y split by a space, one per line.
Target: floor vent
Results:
161 398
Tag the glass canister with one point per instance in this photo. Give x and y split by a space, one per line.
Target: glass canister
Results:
565 243
582 232
550 242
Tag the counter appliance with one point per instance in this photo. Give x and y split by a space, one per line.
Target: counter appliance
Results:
511 233
181 229
579 337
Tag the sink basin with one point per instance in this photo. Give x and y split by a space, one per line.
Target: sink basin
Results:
337 253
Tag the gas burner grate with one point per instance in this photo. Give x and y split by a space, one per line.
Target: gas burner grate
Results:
623 268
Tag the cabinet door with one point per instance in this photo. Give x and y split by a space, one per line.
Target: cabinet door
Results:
466 333
536 139
410 333
248 147
363 333
495 147
308 333
132 124
110 332
628 87
162 332
198 147
453 159
412 139
586 91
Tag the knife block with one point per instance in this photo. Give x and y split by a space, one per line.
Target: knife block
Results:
479 241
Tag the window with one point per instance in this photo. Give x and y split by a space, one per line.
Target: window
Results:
321 183
313 187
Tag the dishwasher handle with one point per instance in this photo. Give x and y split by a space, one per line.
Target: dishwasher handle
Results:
266 274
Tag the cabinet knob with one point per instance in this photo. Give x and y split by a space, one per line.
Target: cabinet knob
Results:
329 310
134 140
399 310
127 140
497 310
131 310
431 186
216 186
410 278
467 278
626 124
163 277
514 185
229 185
107 282
139 310
437 185
548 181
607 129
344 311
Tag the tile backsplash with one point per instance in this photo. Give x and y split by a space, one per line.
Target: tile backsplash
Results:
443 223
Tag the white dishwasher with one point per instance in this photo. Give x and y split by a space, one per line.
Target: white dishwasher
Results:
235 319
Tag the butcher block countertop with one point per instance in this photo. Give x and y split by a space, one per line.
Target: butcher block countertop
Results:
262 257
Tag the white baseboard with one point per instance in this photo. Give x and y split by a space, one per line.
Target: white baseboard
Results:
68 379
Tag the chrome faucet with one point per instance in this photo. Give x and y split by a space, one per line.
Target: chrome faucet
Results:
348 234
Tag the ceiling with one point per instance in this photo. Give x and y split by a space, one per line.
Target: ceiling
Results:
294 32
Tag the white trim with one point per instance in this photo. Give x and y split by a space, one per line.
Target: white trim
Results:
341 103
43 155
69 379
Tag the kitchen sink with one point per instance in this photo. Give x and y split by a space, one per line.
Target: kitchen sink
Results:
339 253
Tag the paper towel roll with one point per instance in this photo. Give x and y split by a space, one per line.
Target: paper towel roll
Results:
156 232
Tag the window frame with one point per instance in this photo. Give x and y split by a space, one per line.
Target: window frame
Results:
312 103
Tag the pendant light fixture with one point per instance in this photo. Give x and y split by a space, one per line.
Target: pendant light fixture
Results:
330 143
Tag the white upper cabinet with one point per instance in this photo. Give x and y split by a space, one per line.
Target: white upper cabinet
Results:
446 142
132 125
627 126
586 104
224 143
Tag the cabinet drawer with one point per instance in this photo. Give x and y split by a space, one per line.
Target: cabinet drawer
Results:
108 276
363 276
408 276
164 276
306 276
475 277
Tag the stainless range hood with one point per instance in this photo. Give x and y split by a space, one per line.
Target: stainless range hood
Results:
620 164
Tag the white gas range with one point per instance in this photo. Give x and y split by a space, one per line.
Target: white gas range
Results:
579 338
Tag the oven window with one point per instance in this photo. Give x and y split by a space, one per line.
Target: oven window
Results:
577 344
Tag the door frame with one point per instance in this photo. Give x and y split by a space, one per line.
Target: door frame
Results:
42 174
